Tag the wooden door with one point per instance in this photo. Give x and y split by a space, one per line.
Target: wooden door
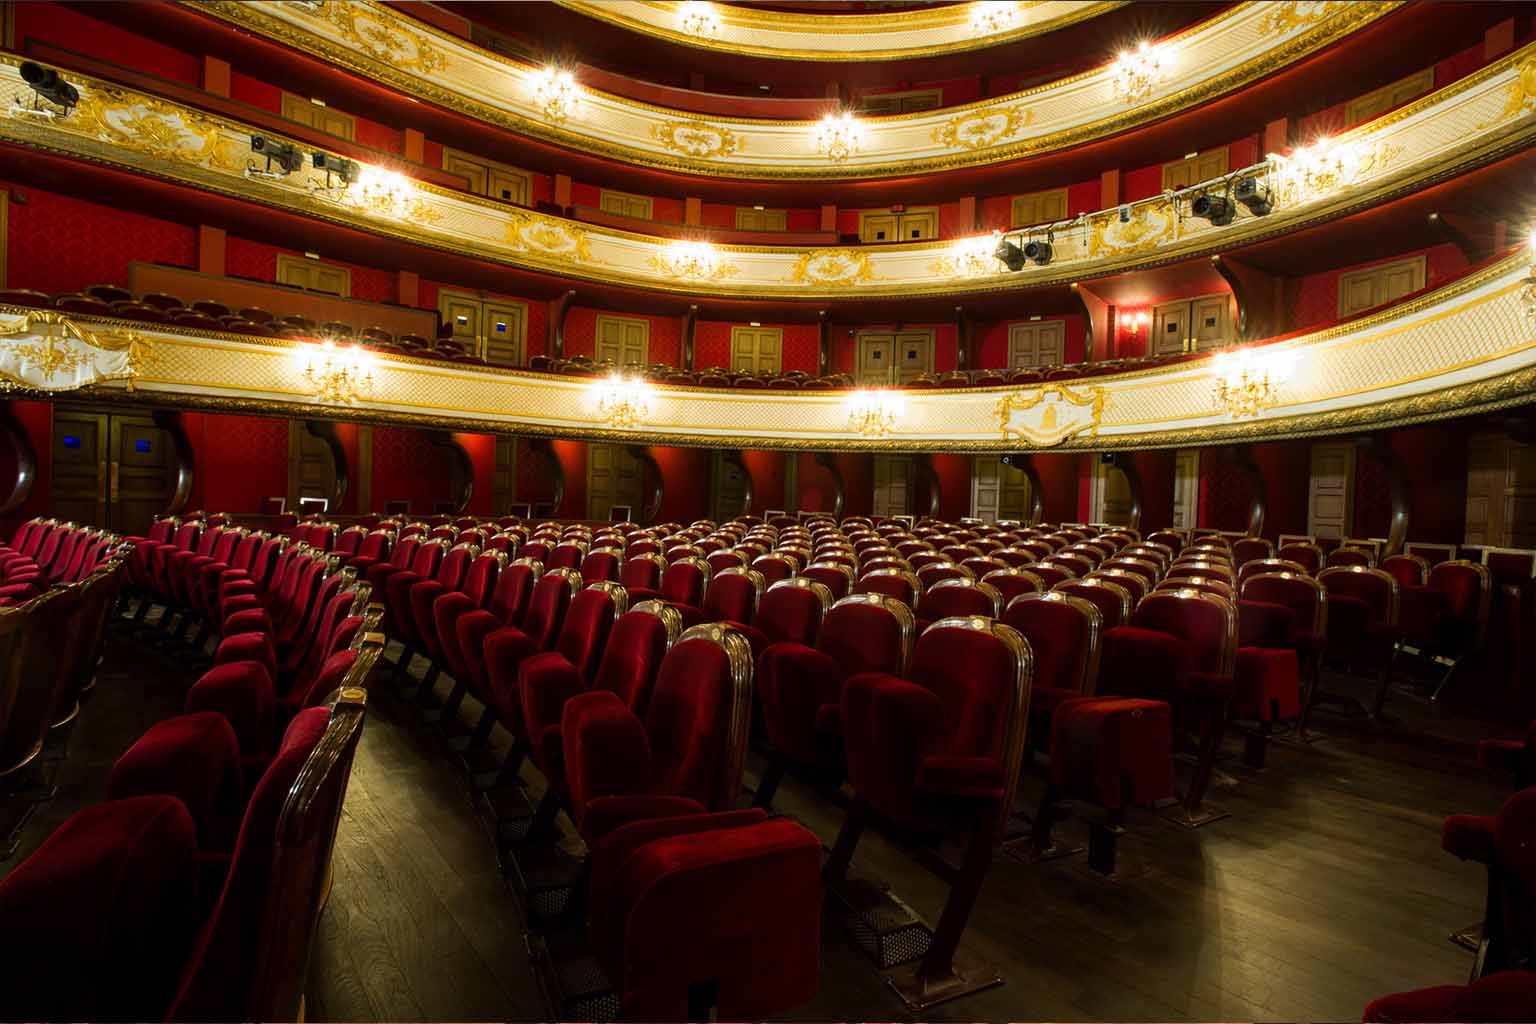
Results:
1363 289
311 467
1519 495
81 442
749 218
624 204
622 340
729 488
1331 491
1112 495
1186 489
506 333
1170 328
1040 343
918 225
613 478
879 227
303 272
1485 485
893 485
1193 170
463 313
1210 322
318 116
914 354
142 476
756 349
1378 101
876 355
1038 208
986 487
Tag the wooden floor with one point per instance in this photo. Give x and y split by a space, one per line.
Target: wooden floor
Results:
1325 887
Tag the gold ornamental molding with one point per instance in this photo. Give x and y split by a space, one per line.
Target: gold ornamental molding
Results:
41 350
1464 348
1221 54
843 38
1471 122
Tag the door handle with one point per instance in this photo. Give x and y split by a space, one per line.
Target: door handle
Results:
112 486
101 481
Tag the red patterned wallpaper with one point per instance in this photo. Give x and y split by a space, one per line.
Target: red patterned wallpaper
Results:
712 344
406 466
1316 296
247 258
666 334
239 460
67 27
61 244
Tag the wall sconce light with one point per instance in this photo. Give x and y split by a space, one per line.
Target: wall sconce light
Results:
1137 72
874 413
555 92
838 136
1135 322
623 400
698 18
1248 381
338 375
988 17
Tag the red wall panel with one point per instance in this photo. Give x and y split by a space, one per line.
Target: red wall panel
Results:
61 244
66 27
666 334
238 460
573 461
408 467
1315 297
712 345
1156 472
255 92
991 340
35 420
481 449
954 476
767 469
258 260
685 477
1058 485
1286 467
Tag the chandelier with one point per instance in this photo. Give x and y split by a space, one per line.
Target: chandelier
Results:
1247 382
695 260
874 413
1316 170
698 18
555 92
339 375
989 17
973 257
838 136
1137 71
623 400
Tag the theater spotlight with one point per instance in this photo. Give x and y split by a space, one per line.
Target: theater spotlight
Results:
285 155
1010 254
337 166
1040 251
1219 209
49 86
1254 194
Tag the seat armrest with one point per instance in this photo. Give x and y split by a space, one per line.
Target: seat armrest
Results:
974 778
546 682
890 726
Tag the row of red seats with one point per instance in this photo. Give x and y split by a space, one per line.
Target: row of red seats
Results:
207 867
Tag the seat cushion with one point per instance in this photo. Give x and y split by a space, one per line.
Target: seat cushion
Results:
1111 751
1506 996
1469 836
194 758
1266 685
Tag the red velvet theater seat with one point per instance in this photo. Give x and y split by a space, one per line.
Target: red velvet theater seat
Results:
1266 684
1013 582
474 576
638 642
800 687
1363 617
936 753
731 596
641 575
1113 600
952 597
462 627
792 611
1504 844
901 584
435 560
1509 996
709 909
1447 618
684 757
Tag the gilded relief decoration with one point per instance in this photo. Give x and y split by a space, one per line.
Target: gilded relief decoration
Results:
1522 95
1151 225
548 238
156 129
696 138
1286 15
49 351
1461 349
833 268
1048 415
1210 59
982 128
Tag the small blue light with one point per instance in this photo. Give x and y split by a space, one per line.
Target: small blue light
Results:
71 441
141 445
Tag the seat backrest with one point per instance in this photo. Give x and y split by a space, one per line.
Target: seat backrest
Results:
684 581
1347 556
429 555
1064 633
514 588
588 621
901 584
480 578
601 564
1051 574
1378 589
1260 565
568 554
1173 539
699 714
1205 584
868 633
640 638
792 610
349 540
733 595
1249 549
982 672
948 598
1408 570
643 570
1303 553
1112 597
32 675
547 606
1469 586
775 566
1206 623
1302 594
404 553
1011 582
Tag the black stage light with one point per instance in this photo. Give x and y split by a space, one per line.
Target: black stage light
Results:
1010 254
346 170
1219 210
1254 194
1038 251
47 84
284 154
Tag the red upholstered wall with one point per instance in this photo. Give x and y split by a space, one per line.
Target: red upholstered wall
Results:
61 244
67 27
1286 467
238 460
408 467
767 469
1156 472
685 475
1224 492
259 260
481 449
990 340
573 461
1434 461
535 480
36 422
712 344
1315 297
666 334
1058 484
954 477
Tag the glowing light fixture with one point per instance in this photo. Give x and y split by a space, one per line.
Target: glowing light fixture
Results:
838 136
698 18
989 17
1528 293
555 92
1248 381
693 260
874 413
975 257
1137 72
622 399
1319 169
338 375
